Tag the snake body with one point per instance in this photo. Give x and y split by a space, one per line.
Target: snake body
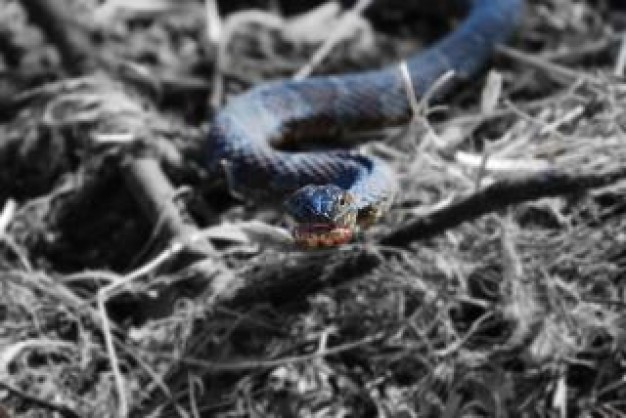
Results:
333 190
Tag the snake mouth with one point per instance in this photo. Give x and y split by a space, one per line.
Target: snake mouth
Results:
321 235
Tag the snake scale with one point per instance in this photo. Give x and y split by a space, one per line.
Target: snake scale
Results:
331 193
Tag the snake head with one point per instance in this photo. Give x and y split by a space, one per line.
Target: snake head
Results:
325 215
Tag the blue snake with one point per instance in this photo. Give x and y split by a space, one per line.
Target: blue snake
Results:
331 193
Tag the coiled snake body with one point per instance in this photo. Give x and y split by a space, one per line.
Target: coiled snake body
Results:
333 192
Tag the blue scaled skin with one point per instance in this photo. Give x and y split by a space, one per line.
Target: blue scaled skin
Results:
320 204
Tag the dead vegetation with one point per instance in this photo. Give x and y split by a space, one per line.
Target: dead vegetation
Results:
495 287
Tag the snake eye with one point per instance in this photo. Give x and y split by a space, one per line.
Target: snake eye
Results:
344 200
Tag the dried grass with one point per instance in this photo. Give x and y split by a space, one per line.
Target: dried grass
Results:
518 313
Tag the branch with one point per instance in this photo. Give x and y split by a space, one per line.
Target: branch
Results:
151 188
498 196
157 198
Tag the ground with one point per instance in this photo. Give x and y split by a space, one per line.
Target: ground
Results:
514 306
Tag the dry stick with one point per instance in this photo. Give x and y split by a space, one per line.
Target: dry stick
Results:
245 365
620 64
510 191
332 40
559 72
104 294
594 47
497 196
150 185
156 196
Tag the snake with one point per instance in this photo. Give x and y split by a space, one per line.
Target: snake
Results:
332 194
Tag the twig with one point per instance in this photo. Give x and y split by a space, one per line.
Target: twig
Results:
105 293
559 72
582 51
103 296
497 196
156 196
8 212
332 40
244 365
621 58
228 28
150 185
213 23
